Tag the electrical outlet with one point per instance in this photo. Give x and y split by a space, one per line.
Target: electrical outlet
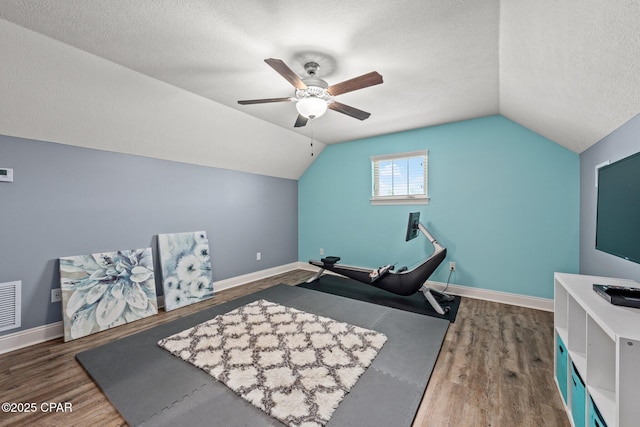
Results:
258 256
56 295
321 251
452 266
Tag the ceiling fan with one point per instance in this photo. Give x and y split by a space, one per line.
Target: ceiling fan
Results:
313 96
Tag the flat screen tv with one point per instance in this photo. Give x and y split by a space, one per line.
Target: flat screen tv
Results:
618 210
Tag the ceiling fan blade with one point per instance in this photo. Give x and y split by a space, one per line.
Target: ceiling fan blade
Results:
286 72
300 121
263 101
366 80
349 111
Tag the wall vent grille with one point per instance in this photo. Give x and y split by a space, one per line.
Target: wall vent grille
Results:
10 305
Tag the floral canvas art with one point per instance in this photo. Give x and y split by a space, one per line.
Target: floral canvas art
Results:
186 268
104 290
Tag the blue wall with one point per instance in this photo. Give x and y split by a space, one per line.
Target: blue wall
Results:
72 201
504 201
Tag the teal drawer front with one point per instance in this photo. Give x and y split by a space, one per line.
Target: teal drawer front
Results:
595 419
578 399
562 359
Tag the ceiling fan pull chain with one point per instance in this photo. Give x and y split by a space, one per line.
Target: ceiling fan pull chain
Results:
312 137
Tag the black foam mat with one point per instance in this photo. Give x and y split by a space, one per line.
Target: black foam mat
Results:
348 288
151 387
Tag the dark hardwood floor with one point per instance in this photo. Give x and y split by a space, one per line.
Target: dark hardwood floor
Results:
495 369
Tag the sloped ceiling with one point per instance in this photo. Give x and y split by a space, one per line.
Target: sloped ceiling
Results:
568 70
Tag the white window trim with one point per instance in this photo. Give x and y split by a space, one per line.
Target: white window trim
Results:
407 199
400 200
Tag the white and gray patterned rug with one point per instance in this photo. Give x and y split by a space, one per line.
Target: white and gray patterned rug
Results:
293 365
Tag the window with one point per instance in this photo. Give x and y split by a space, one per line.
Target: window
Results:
399 178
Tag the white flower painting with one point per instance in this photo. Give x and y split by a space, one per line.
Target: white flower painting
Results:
104 290
186 268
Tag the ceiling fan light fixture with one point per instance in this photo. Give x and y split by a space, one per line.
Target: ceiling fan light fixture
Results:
312 107
313 96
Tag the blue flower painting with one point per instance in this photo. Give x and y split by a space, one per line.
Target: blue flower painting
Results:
104 290
186 268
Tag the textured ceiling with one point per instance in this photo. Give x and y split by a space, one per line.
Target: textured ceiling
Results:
568 70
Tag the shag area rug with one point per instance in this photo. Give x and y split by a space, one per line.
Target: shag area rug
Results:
293 365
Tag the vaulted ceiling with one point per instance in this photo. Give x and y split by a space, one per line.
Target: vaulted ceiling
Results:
569 70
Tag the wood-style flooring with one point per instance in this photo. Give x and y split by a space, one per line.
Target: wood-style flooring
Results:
494 369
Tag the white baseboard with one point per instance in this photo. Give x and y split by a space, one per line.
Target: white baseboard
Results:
30 337
221 285
545 304
52 331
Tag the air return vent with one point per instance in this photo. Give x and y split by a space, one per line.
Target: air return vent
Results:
10 305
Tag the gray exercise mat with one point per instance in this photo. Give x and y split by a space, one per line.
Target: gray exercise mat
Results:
151 387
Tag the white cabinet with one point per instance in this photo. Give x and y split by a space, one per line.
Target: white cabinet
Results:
603 342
